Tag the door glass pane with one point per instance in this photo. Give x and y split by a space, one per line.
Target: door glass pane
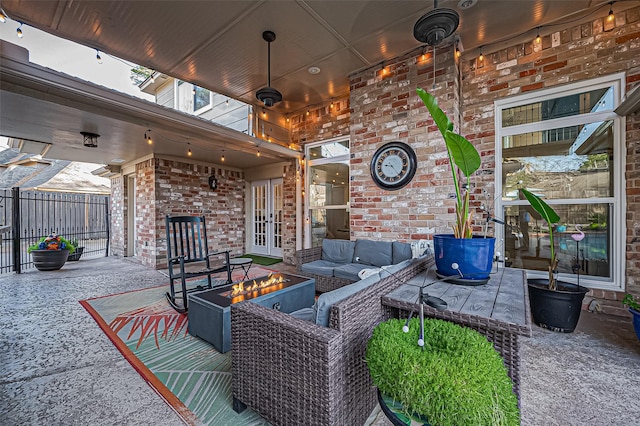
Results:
277 215
259 215
572 162
329 150
527 239
329 223
329 184
596 100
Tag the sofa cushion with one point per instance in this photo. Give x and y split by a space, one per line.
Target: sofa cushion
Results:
320 267
401 251
349 271
307 314
373 253
338 251
327 300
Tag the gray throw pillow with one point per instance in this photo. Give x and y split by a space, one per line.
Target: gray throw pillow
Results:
401 251
338 251
373 253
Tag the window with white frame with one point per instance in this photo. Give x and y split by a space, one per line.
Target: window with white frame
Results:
565 145
191 98
327 203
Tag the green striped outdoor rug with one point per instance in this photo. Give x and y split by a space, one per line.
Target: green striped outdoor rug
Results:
188 372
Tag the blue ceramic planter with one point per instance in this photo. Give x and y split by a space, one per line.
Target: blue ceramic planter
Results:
636 321
473 255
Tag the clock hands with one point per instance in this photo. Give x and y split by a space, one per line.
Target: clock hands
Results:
391 165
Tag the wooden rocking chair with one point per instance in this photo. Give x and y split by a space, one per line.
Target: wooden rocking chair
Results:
187 244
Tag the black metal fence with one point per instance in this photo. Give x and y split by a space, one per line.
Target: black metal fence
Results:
27 216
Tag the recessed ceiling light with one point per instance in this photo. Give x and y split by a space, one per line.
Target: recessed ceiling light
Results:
466 4
117 160
314 70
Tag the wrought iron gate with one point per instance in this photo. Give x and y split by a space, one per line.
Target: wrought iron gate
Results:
26 216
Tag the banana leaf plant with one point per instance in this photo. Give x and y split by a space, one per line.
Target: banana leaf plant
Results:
551 217
463 154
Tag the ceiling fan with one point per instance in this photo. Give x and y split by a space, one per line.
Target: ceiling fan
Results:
268 95
435 26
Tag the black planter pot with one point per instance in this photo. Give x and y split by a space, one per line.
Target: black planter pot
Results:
49 260
557 310
76 254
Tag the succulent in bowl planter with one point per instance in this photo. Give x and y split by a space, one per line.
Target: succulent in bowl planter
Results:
50 252
472 254
555 305
456 378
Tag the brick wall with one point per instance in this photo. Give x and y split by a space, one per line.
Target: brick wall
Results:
183 189
289 219
583 51
323 122
145 224
386 108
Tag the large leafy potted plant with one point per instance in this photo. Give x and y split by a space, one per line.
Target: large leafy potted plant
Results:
634 308
50 252
555 305
473 255
455 378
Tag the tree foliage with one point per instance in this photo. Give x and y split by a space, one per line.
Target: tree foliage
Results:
139 74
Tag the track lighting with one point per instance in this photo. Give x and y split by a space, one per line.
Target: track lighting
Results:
98 58
19 31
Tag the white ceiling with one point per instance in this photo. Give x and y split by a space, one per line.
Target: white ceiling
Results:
219 45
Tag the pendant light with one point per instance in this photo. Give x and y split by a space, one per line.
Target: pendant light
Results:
268 95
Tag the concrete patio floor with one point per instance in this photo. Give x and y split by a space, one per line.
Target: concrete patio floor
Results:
58 368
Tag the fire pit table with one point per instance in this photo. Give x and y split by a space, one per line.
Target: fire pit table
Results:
210 310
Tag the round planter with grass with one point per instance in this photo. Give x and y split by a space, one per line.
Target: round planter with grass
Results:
457 379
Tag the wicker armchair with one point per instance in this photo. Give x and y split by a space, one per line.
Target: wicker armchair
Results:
324 283
294 372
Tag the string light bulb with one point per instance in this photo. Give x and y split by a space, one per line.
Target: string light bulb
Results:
222 157
227 102
258 153
3 16
611 16
19 31
98 58
538 38
307 112
481 57
189 153
147 136
458 53
153 77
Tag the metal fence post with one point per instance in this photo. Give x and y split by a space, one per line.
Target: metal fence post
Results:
108 223
15 225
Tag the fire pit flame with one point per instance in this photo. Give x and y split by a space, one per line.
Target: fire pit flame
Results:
243 288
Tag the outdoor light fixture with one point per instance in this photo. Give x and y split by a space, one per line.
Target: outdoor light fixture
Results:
268 95
610 17
90 139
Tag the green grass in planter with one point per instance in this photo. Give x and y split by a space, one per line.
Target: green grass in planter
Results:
458 379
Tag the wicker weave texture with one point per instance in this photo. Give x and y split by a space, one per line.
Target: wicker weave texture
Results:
294 372
324 283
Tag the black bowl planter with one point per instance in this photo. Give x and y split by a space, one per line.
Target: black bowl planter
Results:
76 254
557 310
49 260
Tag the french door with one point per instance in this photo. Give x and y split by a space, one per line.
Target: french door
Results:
266 216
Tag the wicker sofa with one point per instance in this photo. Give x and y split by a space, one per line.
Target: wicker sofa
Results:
337 262
296 372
